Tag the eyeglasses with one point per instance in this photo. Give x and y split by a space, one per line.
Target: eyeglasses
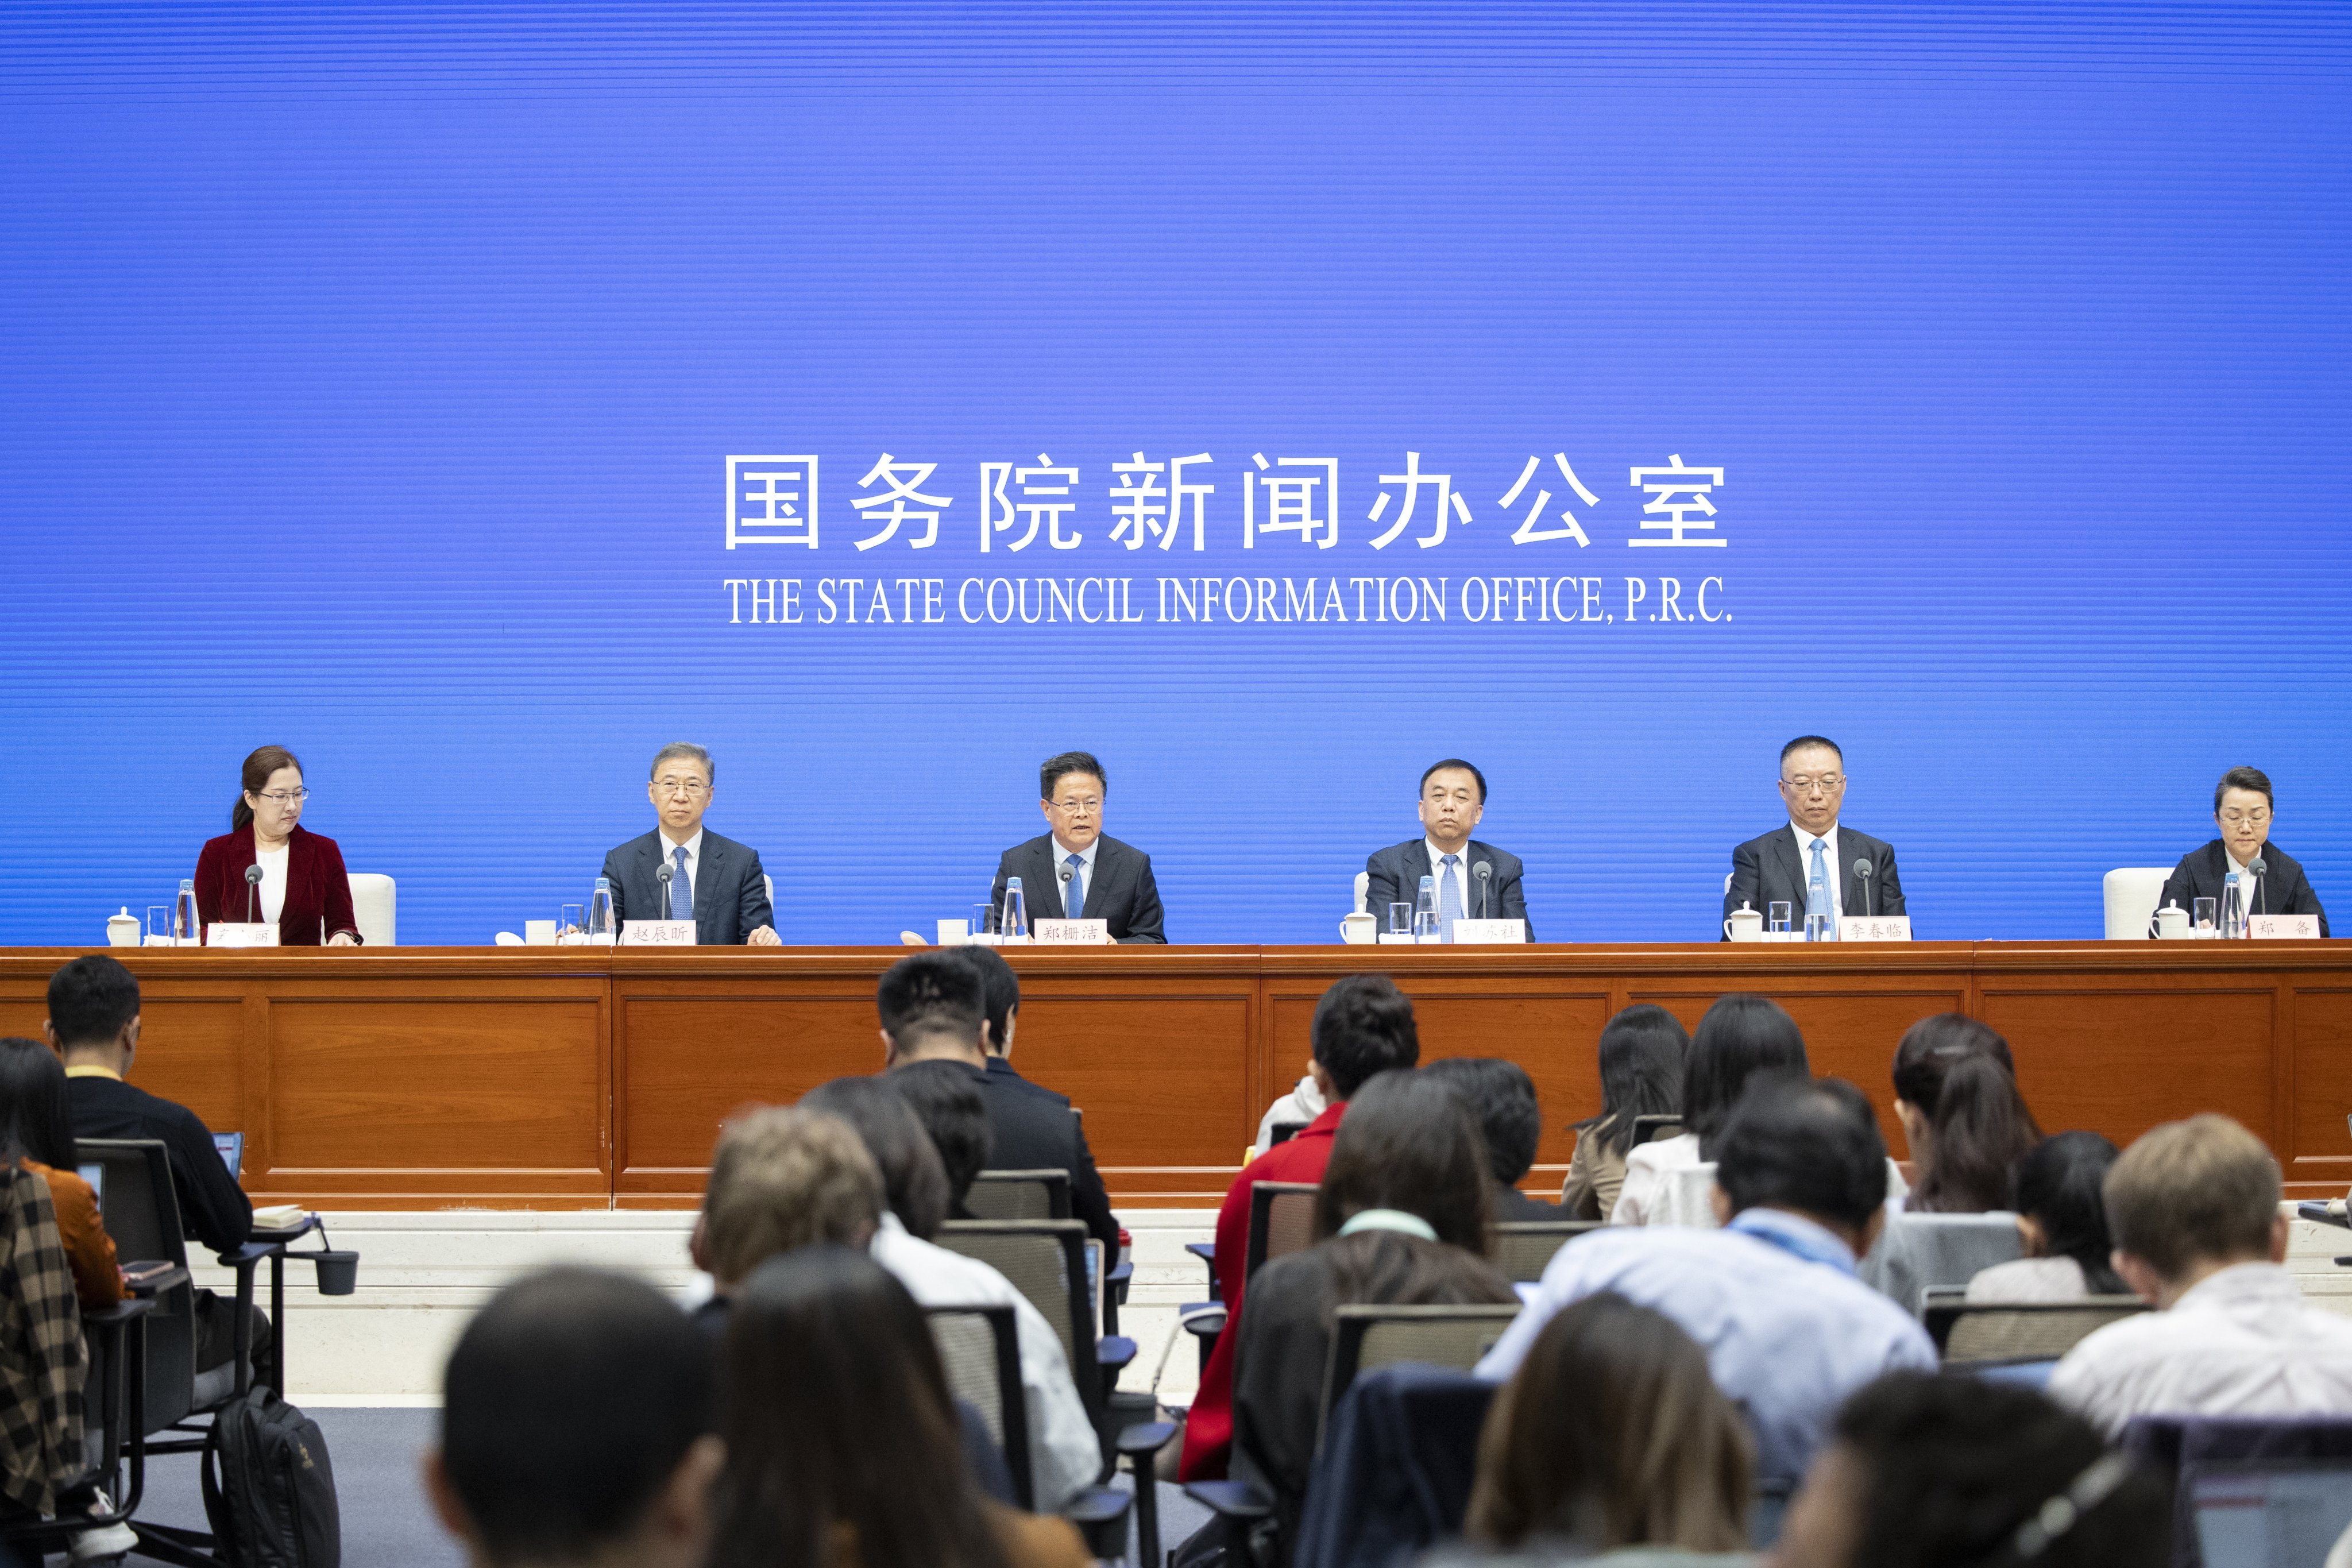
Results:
1828 783
690 788
283 795
1086 807
2256 817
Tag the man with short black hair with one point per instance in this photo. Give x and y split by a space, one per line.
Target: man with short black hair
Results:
93 1025
578 1424
946 1099
1075 870
1502 1098
1779 866
2243 809
715 882
2193 1210
1363 1026
1452 799
1789 1331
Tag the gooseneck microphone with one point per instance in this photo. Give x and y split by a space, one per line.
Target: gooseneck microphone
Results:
666 872
1862 869
1067 872
252 891
1485 874
2257 866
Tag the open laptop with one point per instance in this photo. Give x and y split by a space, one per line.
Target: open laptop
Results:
2270 1513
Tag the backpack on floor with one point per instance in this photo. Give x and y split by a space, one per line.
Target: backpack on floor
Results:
269 1490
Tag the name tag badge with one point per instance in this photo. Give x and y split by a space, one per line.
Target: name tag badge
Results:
1489 933
656 933
1070 933
2282 928
241 933
1882 928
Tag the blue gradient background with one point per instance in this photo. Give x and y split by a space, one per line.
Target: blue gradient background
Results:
366 373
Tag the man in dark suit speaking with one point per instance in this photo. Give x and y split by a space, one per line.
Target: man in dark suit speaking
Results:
715 881
1075 870
1452 799
1779 866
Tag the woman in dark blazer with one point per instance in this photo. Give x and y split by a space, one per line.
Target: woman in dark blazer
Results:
303 886
2243 811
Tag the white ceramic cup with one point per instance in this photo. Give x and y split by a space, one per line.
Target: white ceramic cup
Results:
2172 923
1745 925
539 934
955 933
1359 929
123 930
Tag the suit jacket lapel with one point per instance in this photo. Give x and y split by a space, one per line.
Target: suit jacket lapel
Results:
712 855
1045 902
1785 841
1098 886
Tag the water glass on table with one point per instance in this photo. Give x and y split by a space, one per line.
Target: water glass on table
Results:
1778 914
1400 920
2205 918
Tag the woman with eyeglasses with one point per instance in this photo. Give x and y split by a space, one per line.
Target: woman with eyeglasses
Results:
2269 882
303 889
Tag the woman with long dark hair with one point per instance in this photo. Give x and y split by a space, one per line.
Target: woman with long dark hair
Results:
1968 1127
1739 1036
37 1133
842 1449
2061 1222
1642 1054
303 889
1401 1218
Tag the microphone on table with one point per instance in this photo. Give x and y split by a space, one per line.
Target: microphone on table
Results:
252 891
2257 866
1485 874
1862 869
1067 872
664 872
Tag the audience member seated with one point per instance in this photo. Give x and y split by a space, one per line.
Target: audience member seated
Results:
1502 1098
36 1133
1789 1333
94 1023
948 1103
1362 1026
2193 1207
1961 1472
578 1420
1968 1127
934 1008
1738 1036
2061 1224
1612 1434
842 1448
1642 1054
1402 1220
1064 1453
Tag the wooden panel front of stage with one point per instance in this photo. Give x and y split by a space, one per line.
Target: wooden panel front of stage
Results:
424 1078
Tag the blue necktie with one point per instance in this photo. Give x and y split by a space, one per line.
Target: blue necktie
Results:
1449 897
1075 905
681 889
1829 904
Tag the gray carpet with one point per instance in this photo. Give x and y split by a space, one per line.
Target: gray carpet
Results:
387 1523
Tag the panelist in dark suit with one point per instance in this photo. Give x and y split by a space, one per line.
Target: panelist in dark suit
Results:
1109 881
2243 811
1452 799
715 881
303 889
1777 868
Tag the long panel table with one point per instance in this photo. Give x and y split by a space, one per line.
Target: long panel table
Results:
565 1077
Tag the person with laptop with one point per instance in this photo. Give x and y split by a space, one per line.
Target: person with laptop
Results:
94 1023
2193 1209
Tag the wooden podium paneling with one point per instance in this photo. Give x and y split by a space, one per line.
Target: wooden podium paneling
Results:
418 1078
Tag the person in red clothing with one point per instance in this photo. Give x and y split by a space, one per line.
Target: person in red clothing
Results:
1363 1026
303 889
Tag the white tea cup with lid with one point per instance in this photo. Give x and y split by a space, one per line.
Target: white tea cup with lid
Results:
1744 925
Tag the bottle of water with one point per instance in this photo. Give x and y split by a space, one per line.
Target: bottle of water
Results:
599 911
1425 926
1817 912
186 931
2233 908
1013 925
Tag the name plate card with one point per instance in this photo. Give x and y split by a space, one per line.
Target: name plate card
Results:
1881 928
2282 928
1071 934
657 934
1489 933
241 933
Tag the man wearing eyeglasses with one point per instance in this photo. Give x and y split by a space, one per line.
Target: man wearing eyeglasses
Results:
2243 811
1075 870
715 882
1780 866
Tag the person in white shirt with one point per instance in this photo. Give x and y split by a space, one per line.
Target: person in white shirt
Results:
1739 1036
2193 1207
1856 871
2062 1226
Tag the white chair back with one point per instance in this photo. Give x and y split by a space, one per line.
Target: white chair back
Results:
375 905
2132 892
1917 1253
1364 890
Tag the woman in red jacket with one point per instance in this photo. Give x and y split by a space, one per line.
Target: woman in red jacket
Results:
303 886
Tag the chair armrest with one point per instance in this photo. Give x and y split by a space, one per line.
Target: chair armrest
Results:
1203 1319
1113 1352
1145 1438
1100 1514
118 1317
1206 1251
1120 1276
243 1259
1230 1500
169 1280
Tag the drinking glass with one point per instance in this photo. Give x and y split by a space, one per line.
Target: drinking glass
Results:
2205 917
981 922
1777 914
567 927
159 925
1400 920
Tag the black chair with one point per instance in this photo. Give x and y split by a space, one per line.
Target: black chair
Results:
1020 1194
1524 1248
1988 1333
1282 1221
1653 1128
980 1349
1367 1338
1283 1132
1396 1467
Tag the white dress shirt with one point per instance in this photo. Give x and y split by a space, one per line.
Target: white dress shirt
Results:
2028 1281
681 899
1647 1169
2239 1342
2245 881
1788 1329
1082 878
273 881
1829 842
1065 1455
